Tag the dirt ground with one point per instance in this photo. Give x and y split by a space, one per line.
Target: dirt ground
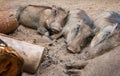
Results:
57 55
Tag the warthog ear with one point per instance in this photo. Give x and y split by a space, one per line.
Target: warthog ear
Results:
54 10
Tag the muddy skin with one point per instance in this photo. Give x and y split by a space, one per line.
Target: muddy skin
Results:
106 38
105 24
105 19
82 40
104 41
44 19
104 65
78 24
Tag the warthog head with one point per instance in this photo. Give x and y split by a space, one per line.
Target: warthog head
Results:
57 19
110 33
81 40
75 18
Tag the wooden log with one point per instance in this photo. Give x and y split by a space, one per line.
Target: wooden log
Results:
11 64
32 54
8 22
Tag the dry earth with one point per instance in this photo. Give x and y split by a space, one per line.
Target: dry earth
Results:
57 55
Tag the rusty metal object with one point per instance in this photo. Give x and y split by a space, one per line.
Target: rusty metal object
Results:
11 63
8 22
32 54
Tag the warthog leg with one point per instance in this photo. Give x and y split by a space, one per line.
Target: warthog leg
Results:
74 69
42 31
73 72
77 65
56 36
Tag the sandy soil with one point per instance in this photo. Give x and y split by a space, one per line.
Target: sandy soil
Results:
56 55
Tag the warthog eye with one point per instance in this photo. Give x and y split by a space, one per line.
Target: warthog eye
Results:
91 36
88 39
106 35
77 28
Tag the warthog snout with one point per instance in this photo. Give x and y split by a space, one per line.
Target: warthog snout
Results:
73 48
79 42
55 27
82 39
42 31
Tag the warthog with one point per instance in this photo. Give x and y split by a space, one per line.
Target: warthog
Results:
104 23
107 38
107 64
104 41
42 18
77 30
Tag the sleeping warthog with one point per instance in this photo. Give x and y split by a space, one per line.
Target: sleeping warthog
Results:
80 32
104 41
104 65
77 30
107 38
105 23
42 18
